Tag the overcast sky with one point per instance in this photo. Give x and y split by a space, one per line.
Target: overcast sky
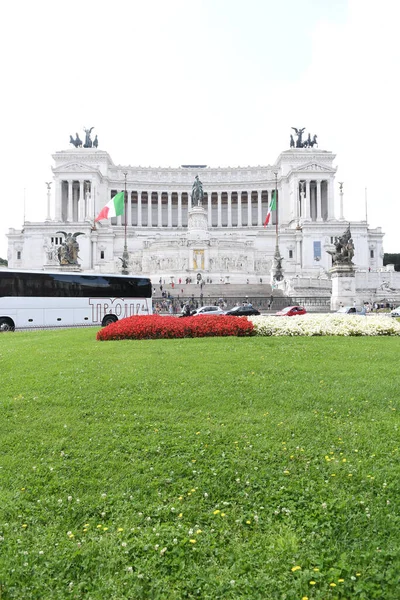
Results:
216 82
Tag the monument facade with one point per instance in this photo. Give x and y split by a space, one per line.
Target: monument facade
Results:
194 218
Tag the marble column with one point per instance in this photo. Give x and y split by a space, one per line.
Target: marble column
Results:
179 209
219 221
81 202
330 200
129 208
249 212
209 209
139 210
307 202
229 209
70 200
239 209
189 197
159 210
259 208
58 200
319 205
169 209
149 210
119 219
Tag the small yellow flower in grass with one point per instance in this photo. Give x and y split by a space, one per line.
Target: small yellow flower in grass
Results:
358 574
223 515
192 541
340 580
296 568
99 526
119 529
313 582
180 498
286 472
25 525
216 512
193 490
199 531
85 530
304 598
332 584
333 474
316 569
193 460
248 522
180 516
105 528
350 475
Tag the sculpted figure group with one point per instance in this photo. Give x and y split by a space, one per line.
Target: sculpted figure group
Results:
77 142
68 251
308 143
344 249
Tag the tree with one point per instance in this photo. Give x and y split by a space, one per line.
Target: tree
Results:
392 259
3 262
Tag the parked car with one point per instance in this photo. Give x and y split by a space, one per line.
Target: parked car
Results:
395 312
242 311
291 311
352 310
207 310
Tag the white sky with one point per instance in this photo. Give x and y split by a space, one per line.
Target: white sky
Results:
216 82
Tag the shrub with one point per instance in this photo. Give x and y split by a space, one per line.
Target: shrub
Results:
331 324
156 327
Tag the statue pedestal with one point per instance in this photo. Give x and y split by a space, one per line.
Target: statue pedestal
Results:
343 286
197 219
198 237
63 268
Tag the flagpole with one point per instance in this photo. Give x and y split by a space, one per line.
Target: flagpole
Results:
278 275
125 255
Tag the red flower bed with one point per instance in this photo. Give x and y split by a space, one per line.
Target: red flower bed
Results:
152 327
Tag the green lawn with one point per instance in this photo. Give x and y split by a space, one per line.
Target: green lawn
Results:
257 468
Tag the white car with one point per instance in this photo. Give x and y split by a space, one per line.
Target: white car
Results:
208 310
352 310
395 312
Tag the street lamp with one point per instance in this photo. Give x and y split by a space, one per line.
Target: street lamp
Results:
278 275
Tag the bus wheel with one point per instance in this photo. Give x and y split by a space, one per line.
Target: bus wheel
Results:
6 324
108 319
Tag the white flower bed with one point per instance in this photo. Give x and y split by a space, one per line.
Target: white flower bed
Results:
326 324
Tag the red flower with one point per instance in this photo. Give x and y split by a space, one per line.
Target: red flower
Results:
152 327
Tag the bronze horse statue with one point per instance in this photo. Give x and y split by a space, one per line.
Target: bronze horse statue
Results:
77 142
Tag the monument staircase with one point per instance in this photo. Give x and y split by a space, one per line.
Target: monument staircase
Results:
262 296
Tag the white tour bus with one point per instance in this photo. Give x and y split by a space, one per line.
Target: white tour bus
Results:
31 299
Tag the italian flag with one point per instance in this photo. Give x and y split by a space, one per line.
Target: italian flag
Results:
271 207
114 208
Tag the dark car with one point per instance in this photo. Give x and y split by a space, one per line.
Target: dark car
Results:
242 311
291 311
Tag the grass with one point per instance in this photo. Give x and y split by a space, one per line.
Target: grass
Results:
263 468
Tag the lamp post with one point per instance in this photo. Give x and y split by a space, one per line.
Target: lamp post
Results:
277 274
48 183
125 255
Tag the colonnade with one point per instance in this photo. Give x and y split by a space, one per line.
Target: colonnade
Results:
315 200
170 209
